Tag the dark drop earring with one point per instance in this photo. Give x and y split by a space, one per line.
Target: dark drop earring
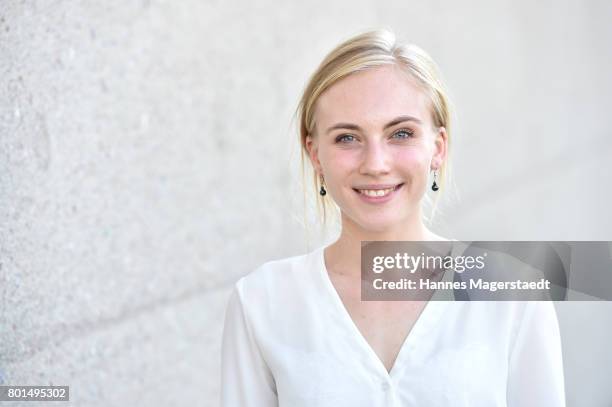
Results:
434 186
322 191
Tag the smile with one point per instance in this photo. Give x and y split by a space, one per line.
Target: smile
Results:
377 194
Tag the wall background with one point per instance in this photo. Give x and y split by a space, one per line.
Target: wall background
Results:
147 161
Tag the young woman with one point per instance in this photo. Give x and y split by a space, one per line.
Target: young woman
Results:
374 122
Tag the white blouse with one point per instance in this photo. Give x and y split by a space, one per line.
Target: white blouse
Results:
289 341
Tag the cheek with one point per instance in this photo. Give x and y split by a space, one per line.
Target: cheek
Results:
336 163
414 160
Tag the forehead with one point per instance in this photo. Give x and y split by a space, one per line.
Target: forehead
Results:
372 98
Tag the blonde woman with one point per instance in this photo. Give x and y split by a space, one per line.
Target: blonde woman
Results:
375 125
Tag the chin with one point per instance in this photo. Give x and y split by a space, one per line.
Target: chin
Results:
378 220
378 224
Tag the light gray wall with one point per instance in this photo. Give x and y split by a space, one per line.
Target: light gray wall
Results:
147 160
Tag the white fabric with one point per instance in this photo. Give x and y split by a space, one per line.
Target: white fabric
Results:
289 341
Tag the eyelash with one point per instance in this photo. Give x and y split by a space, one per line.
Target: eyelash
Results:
410 134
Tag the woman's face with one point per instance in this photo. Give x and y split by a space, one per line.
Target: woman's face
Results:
375 145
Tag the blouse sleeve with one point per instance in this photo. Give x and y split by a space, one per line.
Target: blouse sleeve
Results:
535 376
246 380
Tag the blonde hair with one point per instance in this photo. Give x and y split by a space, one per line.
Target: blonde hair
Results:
365 51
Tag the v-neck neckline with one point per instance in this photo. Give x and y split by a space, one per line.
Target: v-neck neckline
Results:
428 315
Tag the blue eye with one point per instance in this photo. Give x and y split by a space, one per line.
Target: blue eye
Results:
404 134
345 138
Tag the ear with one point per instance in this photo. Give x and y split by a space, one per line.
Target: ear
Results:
312 146
440 148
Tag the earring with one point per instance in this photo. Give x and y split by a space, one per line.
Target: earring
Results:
434 186
322 191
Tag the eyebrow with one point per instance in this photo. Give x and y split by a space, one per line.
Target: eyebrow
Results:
392 123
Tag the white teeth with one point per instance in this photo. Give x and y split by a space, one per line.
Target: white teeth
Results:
375 192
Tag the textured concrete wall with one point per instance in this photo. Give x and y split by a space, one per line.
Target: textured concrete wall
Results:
147 160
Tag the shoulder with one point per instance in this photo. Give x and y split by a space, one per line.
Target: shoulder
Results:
278 290
277 276
530 318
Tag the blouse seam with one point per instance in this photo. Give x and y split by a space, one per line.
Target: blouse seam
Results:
247 322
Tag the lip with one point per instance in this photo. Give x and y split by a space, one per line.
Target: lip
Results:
378 199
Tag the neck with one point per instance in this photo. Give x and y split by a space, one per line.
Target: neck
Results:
344 256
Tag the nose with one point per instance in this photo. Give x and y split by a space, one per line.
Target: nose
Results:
375 160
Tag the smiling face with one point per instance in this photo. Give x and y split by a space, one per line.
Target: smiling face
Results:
375 145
